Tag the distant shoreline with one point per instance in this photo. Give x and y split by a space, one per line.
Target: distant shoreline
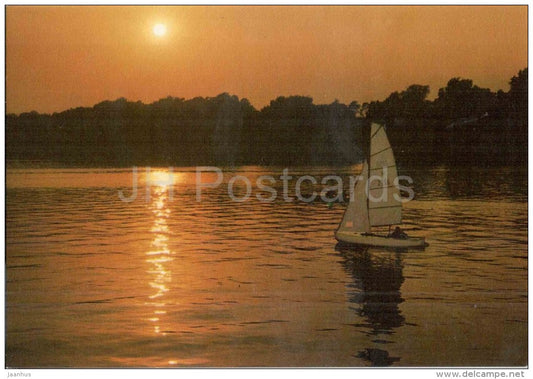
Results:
464 125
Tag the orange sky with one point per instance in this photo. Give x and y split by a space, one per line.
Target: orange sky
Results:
63 57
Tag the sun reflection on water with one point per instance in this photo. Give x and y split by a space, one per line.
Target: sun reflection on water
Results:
161 178
159 254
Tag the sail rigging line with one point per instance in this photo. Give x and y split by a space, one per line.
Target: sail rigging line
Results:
376 132
381 168
386 206
381 151
373 188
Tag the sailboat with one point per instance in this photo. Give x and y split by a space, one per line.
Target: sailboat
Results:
375 200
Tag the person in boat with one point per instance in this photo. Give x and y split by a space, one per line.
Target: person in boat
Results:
398 233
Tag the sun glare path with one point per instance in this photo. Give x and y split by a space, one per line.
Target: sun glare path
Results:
160 255
160 179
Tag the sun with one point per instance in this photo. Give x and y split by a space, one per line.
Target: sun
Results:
159 30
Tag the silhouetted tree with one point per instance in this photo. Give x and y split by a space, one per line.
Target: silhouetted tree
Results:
354 107
292 107
410 104
462 99
518 94
414 102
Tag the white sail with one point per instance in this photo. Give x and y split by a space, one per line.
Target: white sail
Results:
356 215
384 206
375 201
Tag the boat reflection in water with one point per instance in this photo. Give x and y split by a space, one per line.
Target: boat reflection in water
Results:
375 290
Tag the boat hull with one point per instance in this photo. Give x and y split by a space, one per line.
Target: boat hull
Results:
375 240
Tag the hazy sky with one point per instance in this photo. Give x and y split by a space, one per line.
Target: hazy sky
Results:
64 57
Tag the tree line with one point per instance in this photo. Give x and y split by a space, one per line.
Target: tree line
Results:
464 122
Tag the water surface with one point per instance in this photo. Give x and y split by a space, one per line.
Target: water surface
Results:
93 281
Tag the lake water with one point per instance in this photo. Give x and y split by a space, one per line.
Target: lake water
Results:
93 281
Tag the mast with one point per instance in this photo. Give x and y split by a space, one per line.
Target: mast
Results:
367 133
